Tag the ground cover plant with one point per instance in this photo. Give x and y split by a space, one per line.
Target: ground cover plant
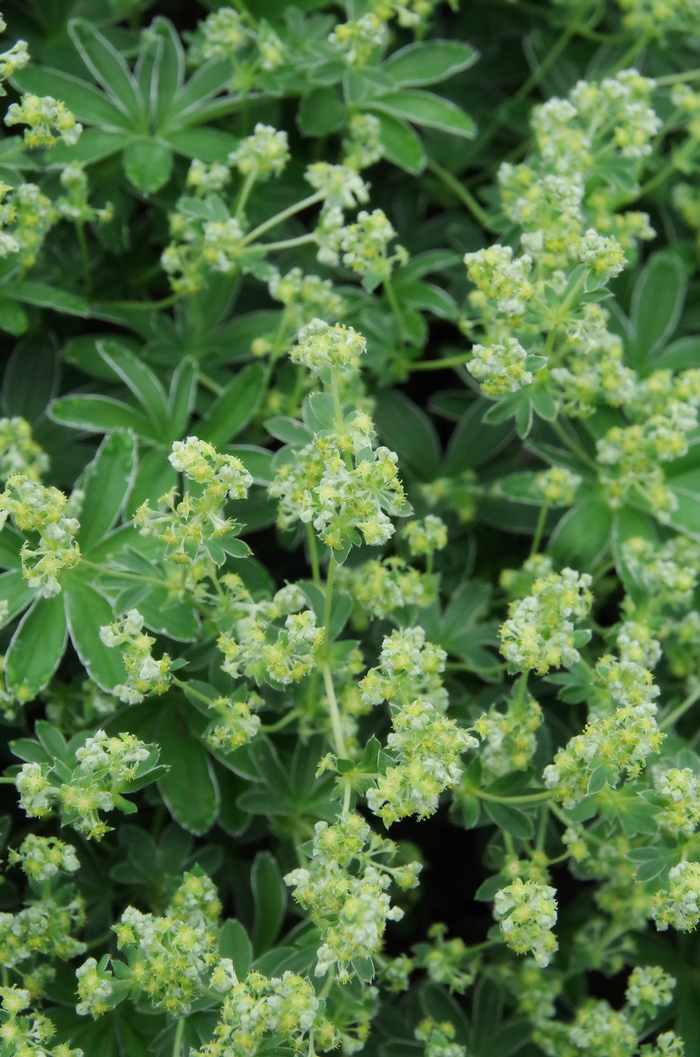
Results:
351 528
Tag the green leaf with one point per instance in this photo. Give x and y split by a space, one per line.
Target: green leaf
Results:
425 108
428 298
44 296
183 387
94 145
474 442
36 648
206 144
408 431
88 103
139 378
15 590
169 68
13 319
210 79
148 164
511 819
235 944
400 143
107 67
106 484
31 378
270 901
189 788
87 611
154 477
321 111
429 62
10 546
234 407
653 862
99 414
583 534
657 302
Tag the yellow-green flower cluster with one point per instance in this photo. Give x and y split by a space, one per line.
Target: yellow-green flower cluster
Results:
510 737
31 215
437 1039
259 1009
425 536
74 205
321 346
557 485
678 902
48 119
236 723
360 39
620 743
424 745
499 277
254 646
43 857
41 510
145 674
305 297
527 912
344 888
105 769
540 631
263 154
365 248
679 789
19 453
25 1032
341 496
206 179
500 368
409 668
381 586
189 527
362 145
654 19
224 35
43 927
448 962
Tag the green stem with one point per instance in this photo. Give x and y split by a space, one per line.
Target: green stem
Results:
542 828
539 529
7 781
270 728
82 242
572 444
329 598
210 384
446 361
179 1032
284 214
285 244
674 716
147 306
395 308
313 554
630 55
337 406
527 798
465 196
677 78
244 194
656 181
336 724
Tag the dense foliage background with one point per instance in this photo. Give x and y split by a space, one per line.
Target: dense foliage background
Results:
352 496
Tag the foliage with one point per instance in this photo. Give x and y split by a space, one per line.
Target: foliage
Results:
350 520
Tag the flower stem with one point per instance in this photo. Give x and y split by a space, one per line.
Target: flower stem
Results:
464 195
179 1032
313 555
676 714
284 214
539 529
